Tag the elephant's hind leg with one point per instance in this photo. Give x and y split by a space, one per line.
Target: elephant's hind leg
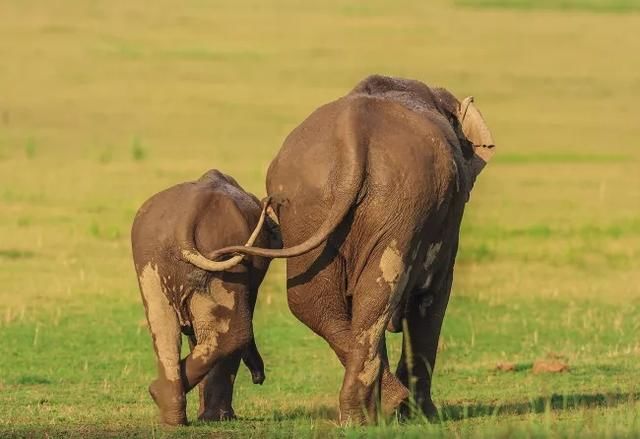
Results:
394 392
216 389
167 389
319 304
222 328
360 393
375 298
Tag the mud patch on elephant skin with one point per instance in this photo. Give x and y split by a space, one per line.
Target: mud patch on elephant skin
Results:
163 322
221 296
394 273
202 306
391 265
393 269
427 282
207 333
370 371
371 337
432 253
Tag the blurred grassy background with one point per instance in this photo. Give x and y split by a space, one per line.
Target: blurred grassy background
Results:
104 103
584 5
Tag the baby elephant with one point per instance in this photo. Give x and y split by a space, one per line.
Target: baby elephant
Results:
210 301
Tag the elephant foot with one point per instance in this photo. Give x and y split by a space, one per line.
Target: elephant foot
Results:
394 393
427 407
216 415
352 418
430 411
356 408
171 401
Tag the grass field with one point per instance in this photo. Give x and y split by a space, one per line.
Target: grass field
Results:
585 5
103 103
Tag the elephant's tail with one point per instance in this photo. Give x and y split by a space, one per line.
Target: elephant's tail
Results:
191 254
350 174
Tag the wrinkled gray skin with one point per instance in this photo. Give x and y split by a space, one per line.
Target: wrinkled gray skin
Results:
172 231
369 191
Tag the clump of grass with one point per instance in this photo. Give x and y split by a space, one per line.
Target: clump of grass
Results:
109 233
560 157
31 148
586 5
32 379
15 254
476 254
138 152
94 230
24 221
106 156
359 10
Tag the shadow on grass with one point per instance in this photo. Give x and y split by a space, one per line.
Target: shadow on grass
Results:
540 404
287 423
317 412
458 412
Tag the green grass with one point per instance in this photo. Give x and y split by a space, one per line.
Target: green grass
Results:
548 158
113 101
586 5
138 152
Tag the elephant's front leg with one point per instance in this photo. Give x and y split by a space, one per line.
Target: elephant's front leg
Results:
424 317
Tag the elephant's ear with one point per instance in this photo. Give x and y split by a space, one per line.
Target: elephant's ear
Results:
476 130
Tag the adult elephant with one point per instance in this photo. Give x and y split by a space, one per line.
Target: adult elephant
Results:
369 192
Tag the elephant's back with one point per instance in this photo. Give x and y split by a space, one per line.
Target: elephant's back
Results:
409 159
227 218
298 179
155 222
408 154
215 208
307 156
409 166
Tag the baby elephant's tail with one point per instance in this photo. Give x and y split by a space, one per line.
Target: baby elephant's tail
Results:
192 255
252 359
